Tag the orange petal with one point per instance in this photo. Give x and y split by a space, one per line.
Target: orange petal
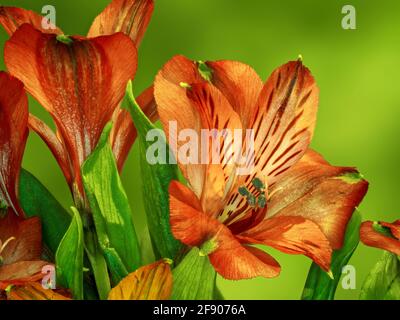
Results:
53 143
21 272
201 106
128 16
240 84
151 282
124 133
319 192
28 239
13 136
292 235
80 83
284 120
370 237
230 259
12 18
235 261
34 291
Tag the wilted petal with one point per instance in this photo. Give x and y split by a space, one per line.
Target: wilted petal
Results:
79 81
151 282
21 272
13 136
34 291
12 18
373 238
319 192
292 235
128 16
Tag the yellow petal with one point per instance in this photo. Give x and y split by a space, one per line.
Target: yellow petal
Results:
151 282
33 291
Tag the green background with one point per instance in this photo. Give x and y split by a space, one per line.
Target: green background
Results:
357 72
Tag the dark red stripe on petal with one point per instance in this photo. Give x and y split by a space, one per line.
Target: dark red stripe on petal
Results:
13 136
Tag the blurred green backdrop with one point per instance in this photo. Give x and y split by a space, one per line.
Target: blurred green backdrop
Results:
357 72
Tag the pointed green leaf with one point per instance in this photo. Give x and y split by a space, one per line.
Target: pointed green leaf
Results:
111 211
194 278
383 282
36 200
156 179
319 285
69 258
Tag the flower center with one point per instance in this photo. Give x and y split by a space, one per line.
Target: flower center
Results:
256 199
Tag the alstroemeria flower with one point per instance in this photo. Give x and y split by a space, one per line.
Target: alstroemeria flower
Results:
20 239
128 16
382 235
293 201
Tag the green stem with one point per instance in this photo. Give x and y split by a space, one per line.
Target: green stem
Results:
98 263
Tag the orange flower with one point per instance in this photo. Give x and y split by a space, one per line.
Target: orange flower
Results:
293 201
20 239
381 235
80 81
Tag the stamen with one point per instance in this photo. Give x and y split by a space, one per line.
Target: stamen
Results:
243 191
262 201
185 85
258 184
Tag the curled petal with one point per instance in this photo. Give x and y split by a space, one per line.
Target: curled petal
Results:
128 16
371 237
292 235
151 282
79 81
317 191
13 136
12 18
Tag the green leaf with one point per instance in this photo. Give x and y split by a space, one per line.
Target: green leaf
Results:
111 211
194 278
383 282
156 179
36 200
69 257
319 285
